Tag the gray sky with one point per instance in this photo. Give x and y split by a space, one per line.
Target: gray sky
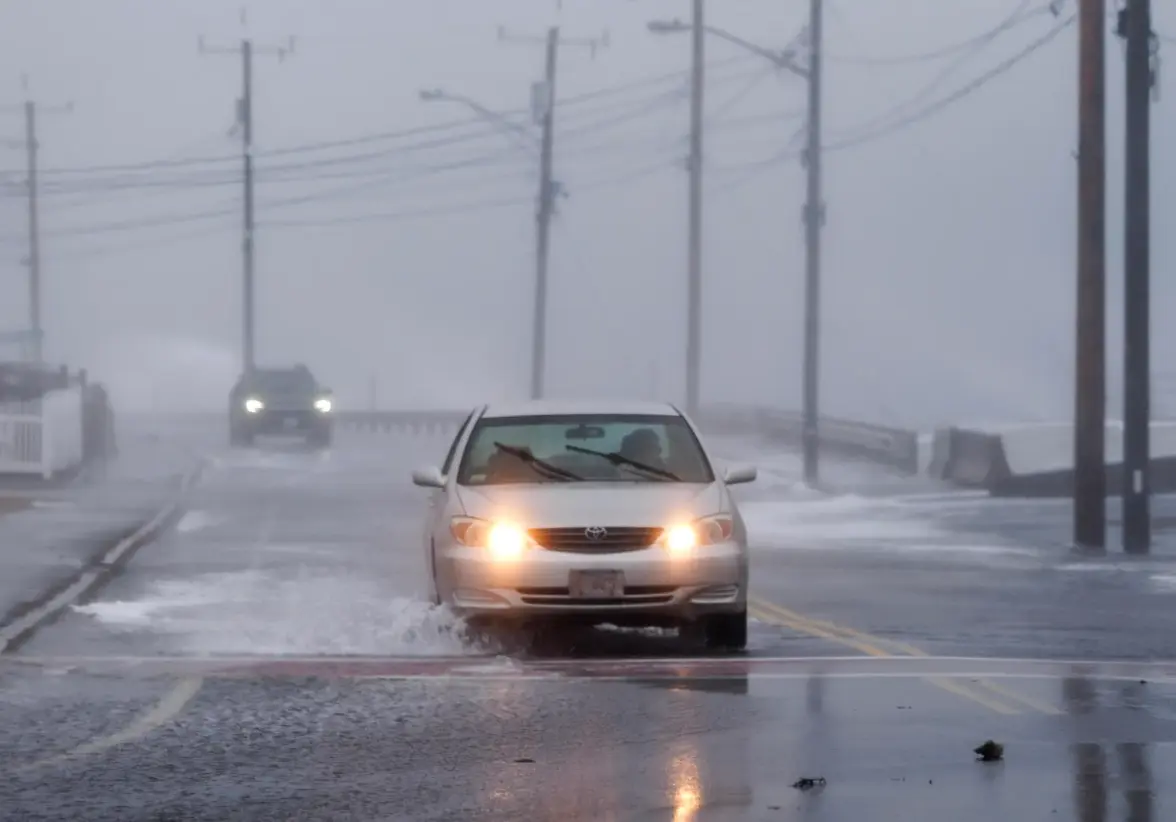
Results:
950 244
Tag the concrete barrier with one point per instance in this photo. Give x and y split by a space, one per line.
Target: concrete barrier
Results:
968 458
895 449
415 423
1036 460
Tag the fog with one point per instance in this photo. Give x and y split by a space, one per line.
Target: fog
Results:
949 245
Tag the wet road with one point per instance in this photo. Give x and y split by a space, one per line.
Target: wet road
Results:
165 698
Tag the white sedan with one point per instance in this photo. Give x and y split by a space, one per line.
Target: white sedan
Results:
592 512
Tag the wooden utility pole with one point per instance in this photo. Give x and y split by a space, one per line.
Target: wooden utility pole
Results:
247 49
1090 486
1134 25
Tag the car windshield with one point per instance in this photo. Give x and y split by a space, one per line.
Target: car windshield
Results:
583 448
292 381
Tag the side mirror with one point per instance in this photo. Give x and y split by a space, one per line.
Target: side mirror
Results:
740 474
428 478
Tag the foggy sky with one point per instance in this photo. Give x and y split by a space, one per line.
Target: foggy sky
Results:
949 245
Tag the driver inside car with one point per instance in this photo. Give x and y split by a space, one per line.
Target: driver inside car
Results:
644 446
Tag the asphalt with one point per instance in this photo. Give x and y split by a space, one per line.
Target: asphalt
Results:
50 531
273 658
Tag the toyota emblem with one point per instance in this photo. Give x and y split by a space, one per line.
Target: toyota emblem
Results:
595 533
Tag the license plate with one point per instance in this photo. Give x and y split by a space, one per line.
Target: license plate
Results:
596 584
291 422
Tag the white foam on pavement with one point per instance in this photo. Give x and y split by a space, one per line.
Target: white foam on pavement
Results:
865 524
1164 583
263 612
196 521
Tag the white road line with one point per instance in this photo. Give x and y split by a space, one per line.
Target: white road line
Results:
163 711
19 626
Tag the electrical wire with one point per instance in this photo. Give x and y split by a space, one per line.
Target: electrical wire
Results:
388 136
750 169
457 208
974 50
753 168
295 171
1018 16
310 171
960 94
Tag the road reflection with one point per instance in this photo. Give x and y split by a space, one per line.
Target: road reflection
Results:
1092 765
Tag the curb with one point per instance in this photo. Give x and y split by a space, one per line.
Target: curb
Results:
98 571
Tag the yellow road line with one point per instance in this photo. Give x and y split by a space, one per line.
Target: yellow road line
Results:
166 709
909 650
876 646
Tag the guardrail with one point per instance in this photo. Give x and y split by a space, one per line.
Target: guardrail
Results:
892 448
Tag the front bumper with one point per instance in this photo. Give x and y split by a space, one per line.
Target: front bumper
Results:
658 588
280 421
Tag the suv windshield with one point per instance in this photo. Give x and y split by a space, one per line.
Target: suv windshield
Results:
286 381
583 447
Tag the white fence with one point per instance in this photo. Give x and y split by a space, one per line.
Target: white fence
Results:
42 436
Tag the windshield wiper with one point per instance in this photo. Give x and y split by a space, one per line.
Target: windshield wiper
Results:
553 471
617 458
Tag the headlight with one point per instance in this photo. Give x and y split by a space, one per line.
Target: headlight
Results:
682 539
323 405
253 405
503 540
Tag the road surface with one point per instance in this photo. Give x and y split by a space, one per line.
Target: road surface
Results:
274 658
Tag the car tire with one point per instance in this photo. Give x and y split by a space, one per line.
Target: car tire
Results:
320 439
725 632
240 439
434 592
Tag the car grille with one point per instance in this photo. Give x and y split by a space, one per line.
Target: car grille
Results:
577 540
634 595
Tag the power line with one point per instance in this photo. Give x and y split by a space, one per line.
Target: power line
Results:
978 45
388 136
753 168
483 161
1020 15
964 91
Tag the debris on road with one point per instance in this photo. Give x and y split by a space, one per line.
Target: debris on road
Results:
990 752
805 783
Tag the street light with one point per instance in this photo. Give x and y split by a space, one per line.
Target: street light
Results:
784 58
814 211
516 131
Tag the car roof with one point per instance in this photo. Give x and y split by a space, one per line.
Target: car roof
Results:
530 408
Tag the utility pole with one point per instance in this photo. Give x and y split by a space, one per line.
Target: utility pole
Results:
543 102
543 217
694 249
30 109
1134 25
35 327
245 121
1090 484
814 220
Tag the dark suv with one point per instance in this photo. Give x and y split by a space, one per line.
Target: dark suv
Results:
280 402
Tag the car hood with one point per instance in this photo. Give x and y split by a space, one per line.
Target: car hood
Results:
556 505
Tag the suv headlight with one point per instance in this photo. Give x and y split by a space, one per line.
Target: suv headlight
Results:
253 405
503 540
683 538
323 405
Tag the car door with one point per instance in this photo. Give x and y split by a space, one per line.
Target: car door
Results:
438 497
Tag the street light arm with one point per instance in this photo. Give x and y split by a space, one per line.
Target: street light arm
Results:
783 58
489 115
